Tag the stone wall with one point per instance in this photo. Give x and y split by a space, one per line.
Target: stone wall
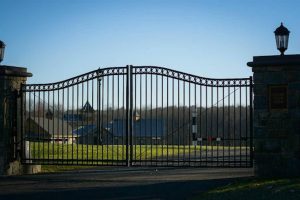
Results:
276 131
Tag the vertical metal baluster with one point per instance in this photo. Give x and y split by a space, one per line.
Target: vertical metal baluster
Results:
135 121
251 122
141 97
234 127
246 126
195 108
178 125
82 121
123 117
200 122
107 119
118 116
173 125
58 125
102 119
62 127
112 117
77 123
156 108
48 139
167 131
240 88
39 122
26 128
88 112
43 132
206 122
211 123
223 122
31 135
229 135
131 114
189 143
24 123
53 128
99 128
73 103
217 142
93 123
62 124
68 96
127 117
183 121
151 117
162 136
23 120
146 118
29 127
35 138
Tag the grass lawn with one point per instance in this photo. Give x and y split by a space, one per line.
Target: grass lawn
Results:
253 189
39 150
104 154
62 168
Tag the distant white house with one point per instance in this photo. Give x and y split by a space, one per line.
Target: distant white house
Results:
49 128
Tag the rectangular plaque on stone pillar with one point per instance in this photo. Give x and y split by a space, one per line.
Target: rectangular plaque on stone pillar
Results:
278 97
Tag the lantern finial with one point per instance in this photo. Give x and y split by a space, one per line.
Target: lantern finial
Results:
282 38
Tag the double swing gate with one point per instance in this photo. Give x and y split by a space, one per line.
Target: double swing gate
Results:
138 116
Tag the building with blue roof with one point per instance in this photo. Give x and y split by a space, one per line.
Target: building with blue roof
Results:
144 131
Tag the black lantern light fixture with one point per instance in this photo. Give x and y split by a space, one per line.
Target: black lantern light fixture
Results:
2 48
282 38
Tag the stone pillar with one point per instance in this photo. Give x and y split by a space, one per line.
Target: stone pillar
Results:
276 115
11 79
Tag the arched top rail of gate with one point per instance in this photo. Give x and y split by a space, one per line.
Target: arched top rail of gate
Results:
230 82
136 70
75 80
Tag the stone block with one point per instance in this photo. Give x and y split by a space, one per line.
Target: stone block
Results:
272 146
260 102
295 126
259 132
277 133
260 89
292 143
258 78
32 169
275 78
16 168
293 76
276 123
259 144
293 98
279 115
276 165
295 113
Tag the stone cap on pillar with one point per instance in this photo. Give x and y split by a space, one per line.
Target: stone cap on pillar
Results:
275 61
6 70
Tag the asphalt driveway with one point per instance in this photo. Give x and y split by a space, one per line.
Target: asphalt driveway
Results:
119 183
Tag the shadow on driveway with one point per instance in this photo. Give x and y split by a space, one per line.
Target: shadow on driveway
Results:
136 184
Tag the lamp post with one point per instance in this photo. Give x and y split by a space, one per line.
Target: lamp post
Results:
282 38
2 48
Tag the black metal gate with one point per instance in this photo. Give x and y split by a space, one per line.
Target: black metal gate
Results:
138 116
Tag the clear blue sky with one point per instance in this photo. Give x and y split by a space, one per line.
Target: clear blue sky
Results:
58 39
